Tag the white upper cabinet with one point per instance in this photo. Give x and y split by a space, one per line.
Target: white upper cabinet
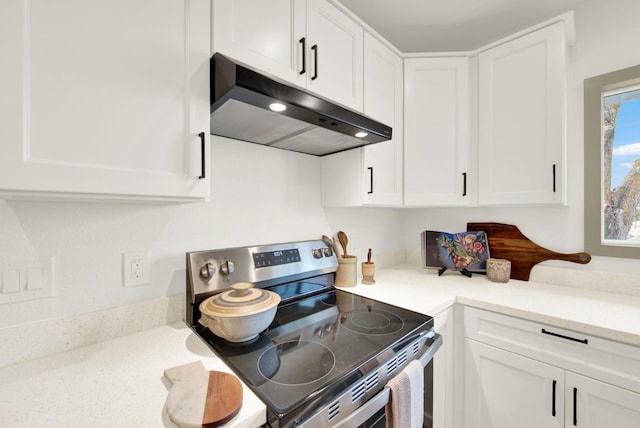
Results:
334 54
268 35
105 99
308 43
522 120
383 101
437 144
371 175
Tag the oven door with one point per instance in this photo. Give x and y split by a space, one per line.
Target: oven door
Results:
372 413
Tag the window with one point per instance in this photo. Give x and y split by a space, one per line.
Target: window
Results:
612 163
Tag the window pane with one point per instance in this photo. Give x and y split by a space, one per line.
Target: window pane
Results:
621 166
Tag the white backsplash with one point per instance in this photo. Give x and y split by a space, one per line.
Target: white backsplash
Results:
51 336
259 195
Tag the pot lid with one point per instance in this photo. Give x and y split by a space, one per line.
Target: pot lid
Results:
242 299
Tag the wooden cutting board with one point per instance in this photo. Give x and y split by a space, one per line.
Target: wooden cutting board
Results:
507 242
201 398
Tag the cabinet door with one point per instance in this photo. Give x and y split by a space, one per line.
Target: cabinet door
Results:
266 34
371 175
443 398
342 179
436 146
522 120
595 404
506 390
104 99
383 101
334 51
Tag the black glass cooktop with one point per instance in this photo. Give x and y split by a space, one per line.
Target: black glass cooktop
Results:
320 342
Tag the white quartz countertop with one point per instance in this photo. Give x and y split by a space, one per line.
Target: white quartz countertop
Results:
609 315
120 383
116 383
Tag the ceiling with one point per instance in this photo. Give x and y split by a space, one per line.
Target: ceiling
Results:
452 25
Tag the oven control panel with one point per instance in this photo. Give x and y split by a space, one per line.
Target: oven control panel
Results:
215 270
274 258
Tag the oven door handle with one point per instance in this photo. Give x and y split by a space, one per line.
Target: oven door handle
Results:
363 413
427 356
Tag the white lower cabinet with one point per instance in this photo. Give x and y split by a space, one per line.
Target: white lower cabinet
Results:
506 390
599 404
523 374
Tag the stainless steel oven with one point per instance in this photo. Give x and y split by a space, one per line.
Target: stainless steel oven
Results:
326 358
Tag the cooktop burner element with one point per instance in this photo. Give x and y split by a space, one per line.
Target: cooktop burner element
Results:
312 361
372 321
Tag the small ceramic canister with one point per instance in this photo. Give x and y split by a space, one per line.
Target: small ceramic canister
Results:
498 270
368 270
347 273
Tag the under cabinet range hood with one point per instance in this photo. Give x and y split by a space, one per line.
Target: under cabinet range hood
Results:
240 109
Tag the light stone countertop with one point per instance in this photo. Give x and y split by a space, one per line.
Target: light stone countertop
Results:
115 383
119 382
608 315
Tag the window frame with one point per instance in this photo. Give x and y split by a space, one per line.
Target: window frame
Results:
594 88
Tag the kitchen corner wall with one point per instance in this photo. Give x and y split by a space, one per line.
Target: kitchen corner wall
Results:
606 40
259 195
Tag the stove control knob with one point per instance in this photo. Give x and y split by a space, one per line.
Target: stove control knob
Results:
328 252
317 253
207 271
227 268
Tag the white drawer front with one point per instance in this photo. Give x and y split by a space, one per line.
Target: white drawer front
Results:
599 358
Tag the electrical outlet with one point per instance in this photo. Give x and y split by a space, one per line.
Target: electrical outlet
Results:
135 268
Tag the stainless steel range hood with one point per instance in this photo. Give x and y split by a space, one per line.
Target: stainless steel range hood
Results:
240 100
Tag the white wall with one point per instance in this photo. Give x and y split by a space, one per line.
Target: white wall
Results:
607 34
263 195
259 195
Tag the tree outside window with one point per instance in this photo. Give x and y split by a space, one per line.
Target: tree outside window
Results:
621 166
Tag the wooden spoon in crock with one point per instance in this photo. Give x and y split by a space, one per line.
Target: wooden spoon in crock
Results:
342 237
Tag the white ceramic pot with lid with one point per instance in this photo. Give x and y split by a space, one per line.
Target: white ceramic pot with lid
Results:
239 314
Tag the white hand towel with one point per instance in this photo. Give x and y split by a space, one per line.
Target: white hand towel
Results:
406 403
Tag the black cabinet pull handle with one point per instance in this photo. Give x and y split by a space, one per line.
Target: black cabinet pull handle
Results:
314 48
554 178
553 400
370 168
575 407
550 333
464 184
303 41
202 155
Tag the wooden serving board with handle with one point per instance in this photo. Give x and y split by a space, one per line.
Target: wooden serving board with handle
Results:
201 398
507 242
